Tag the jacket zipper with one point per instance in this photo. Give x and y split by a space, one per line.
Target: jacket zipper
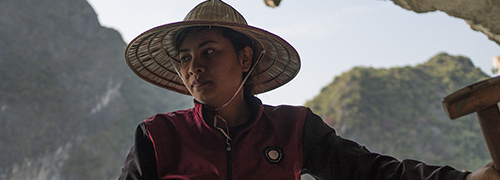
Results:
228 140
229 164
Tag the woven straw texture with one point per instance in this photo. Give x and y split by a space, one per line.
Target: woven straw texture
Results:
153 57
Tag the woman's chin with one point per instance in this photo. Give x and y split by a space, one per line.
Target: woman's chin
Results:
210 102
203 99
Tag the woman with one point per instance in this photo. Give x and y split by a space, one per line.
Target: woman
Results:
222 62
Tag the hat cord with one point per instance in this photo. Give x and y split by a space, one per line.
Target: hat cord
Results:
217 116
226 132
241 85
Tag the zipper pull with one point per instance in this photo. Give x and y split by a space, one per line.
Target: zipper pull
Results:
228 143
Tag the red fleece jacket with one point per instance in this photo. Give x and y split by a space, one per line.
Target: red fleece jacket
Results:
276 143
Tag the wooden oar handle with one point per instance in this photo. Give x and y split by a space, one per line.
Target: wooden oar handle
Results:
472 98
489 119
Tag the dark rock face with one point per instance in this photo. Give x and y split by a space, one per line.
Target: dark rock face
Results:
67 98
481 15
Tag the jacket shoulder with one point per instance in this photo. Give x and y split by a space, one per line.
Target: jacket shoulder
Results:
285 109
286 113
173 117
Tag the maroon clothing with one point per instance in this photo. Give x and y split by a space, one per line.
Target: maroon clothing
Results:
277 143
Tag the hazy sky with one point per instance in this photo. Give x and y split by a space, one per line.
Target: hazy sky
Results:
331 36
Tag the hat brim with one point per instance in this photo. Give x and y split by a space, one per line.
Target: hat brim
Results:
150 56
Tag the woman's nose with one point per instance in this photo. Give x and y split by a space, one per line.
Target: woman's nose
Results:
196 66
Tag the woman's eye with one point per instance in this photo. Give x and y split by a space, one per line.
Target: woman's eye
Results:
208 51
184 59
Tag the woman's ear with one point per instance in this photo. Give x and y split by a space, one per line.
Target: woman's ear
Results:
246 58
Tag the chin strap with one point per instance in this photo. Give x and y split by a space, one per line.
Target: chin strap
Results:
216 116
241 85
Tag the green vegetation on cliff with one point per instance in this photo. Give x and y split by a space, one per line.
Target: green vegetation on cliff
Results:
398 111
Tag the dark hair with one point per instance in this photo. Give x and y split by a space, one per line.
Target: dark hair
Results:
238 40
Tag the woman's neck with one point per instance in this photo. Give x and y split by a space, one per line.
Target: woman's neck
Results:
235 113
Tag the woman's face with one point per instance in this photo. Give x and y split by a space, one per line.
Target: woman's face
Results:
210 67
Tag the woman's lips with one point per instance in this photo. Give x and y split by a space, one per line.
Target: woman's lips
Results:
197 84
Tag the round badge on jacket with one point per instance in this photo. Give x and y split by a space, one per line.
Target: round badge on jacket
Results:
273 154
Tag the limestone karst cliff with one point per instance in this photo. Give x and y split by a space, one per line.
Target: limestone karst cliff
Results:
68 103
398 111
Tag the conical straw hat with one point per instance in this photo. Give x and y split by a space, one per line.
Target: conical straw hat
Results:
151 55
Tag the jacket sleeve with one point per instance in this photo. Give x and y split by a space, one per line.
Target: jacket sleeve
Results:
141 160
328 156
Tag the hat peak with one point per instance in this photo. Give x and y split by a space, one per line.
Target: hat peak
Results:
215 10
